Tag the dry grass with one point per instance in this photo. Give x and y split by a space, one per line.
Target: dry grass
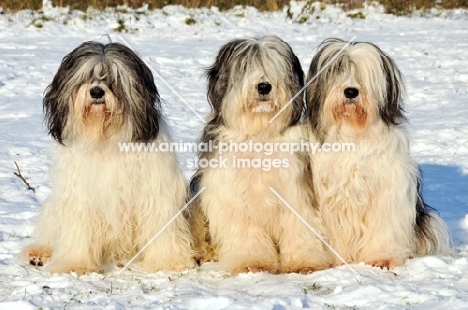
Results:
397 7
263 5
17 5
402 7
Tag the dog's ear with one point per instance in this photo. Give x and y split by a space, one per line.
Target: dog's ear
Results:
317 79
314 91
219 73
56 112
391 111
299 106
58 95
143 103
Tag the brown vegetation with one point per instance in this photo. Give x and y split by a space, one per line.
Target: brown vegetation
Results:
263 5
397 7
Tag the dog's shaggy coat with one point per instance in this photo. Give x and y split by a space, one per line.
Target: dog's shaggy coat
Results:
369 197
237 216
107 203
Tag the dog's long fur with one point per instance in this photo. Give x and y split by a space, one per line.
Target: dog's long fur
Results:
106 204
249 227
369 199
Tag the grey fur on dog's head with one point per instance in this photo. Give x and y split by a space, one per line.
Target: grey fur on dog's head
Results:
130 103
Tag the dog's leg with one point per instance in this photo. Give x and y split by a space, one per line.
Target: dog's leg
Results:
244 245
237 217
300 249
40 252
203 247
72 257
390 235
246 248
171 249
75 250
302 252
64 225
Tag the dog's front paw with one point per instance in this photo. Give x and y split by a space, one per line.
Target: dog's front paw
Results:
303 269
305 262
182 266
206 254
37 255
259 267
388 263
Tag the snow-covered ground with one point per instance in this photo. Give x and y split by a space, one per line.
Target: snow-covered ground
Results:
431 51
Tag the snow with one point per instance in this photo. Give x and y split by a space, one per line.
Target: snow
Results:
430 50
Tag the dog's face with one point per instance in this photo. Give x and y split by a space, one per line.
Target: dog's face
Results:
99 112
102 91
353 87
252 80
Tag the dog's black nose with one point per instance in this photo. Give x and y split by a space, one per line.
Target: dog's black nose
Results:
264 88
96 92
351 92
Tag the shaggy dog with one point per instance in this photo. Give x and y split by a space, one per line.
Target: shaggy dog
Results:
369 197
107 202
237 216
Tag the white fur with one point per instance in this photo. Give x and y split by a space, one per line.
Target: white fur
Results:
248 222
106 204
367 198
252 228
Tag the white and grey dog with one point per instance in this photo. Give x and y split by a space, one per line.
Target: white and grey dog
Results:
237 216
370 198
107 204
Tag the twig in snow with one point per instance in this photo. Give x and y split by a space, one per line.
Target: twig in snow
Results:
19 175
